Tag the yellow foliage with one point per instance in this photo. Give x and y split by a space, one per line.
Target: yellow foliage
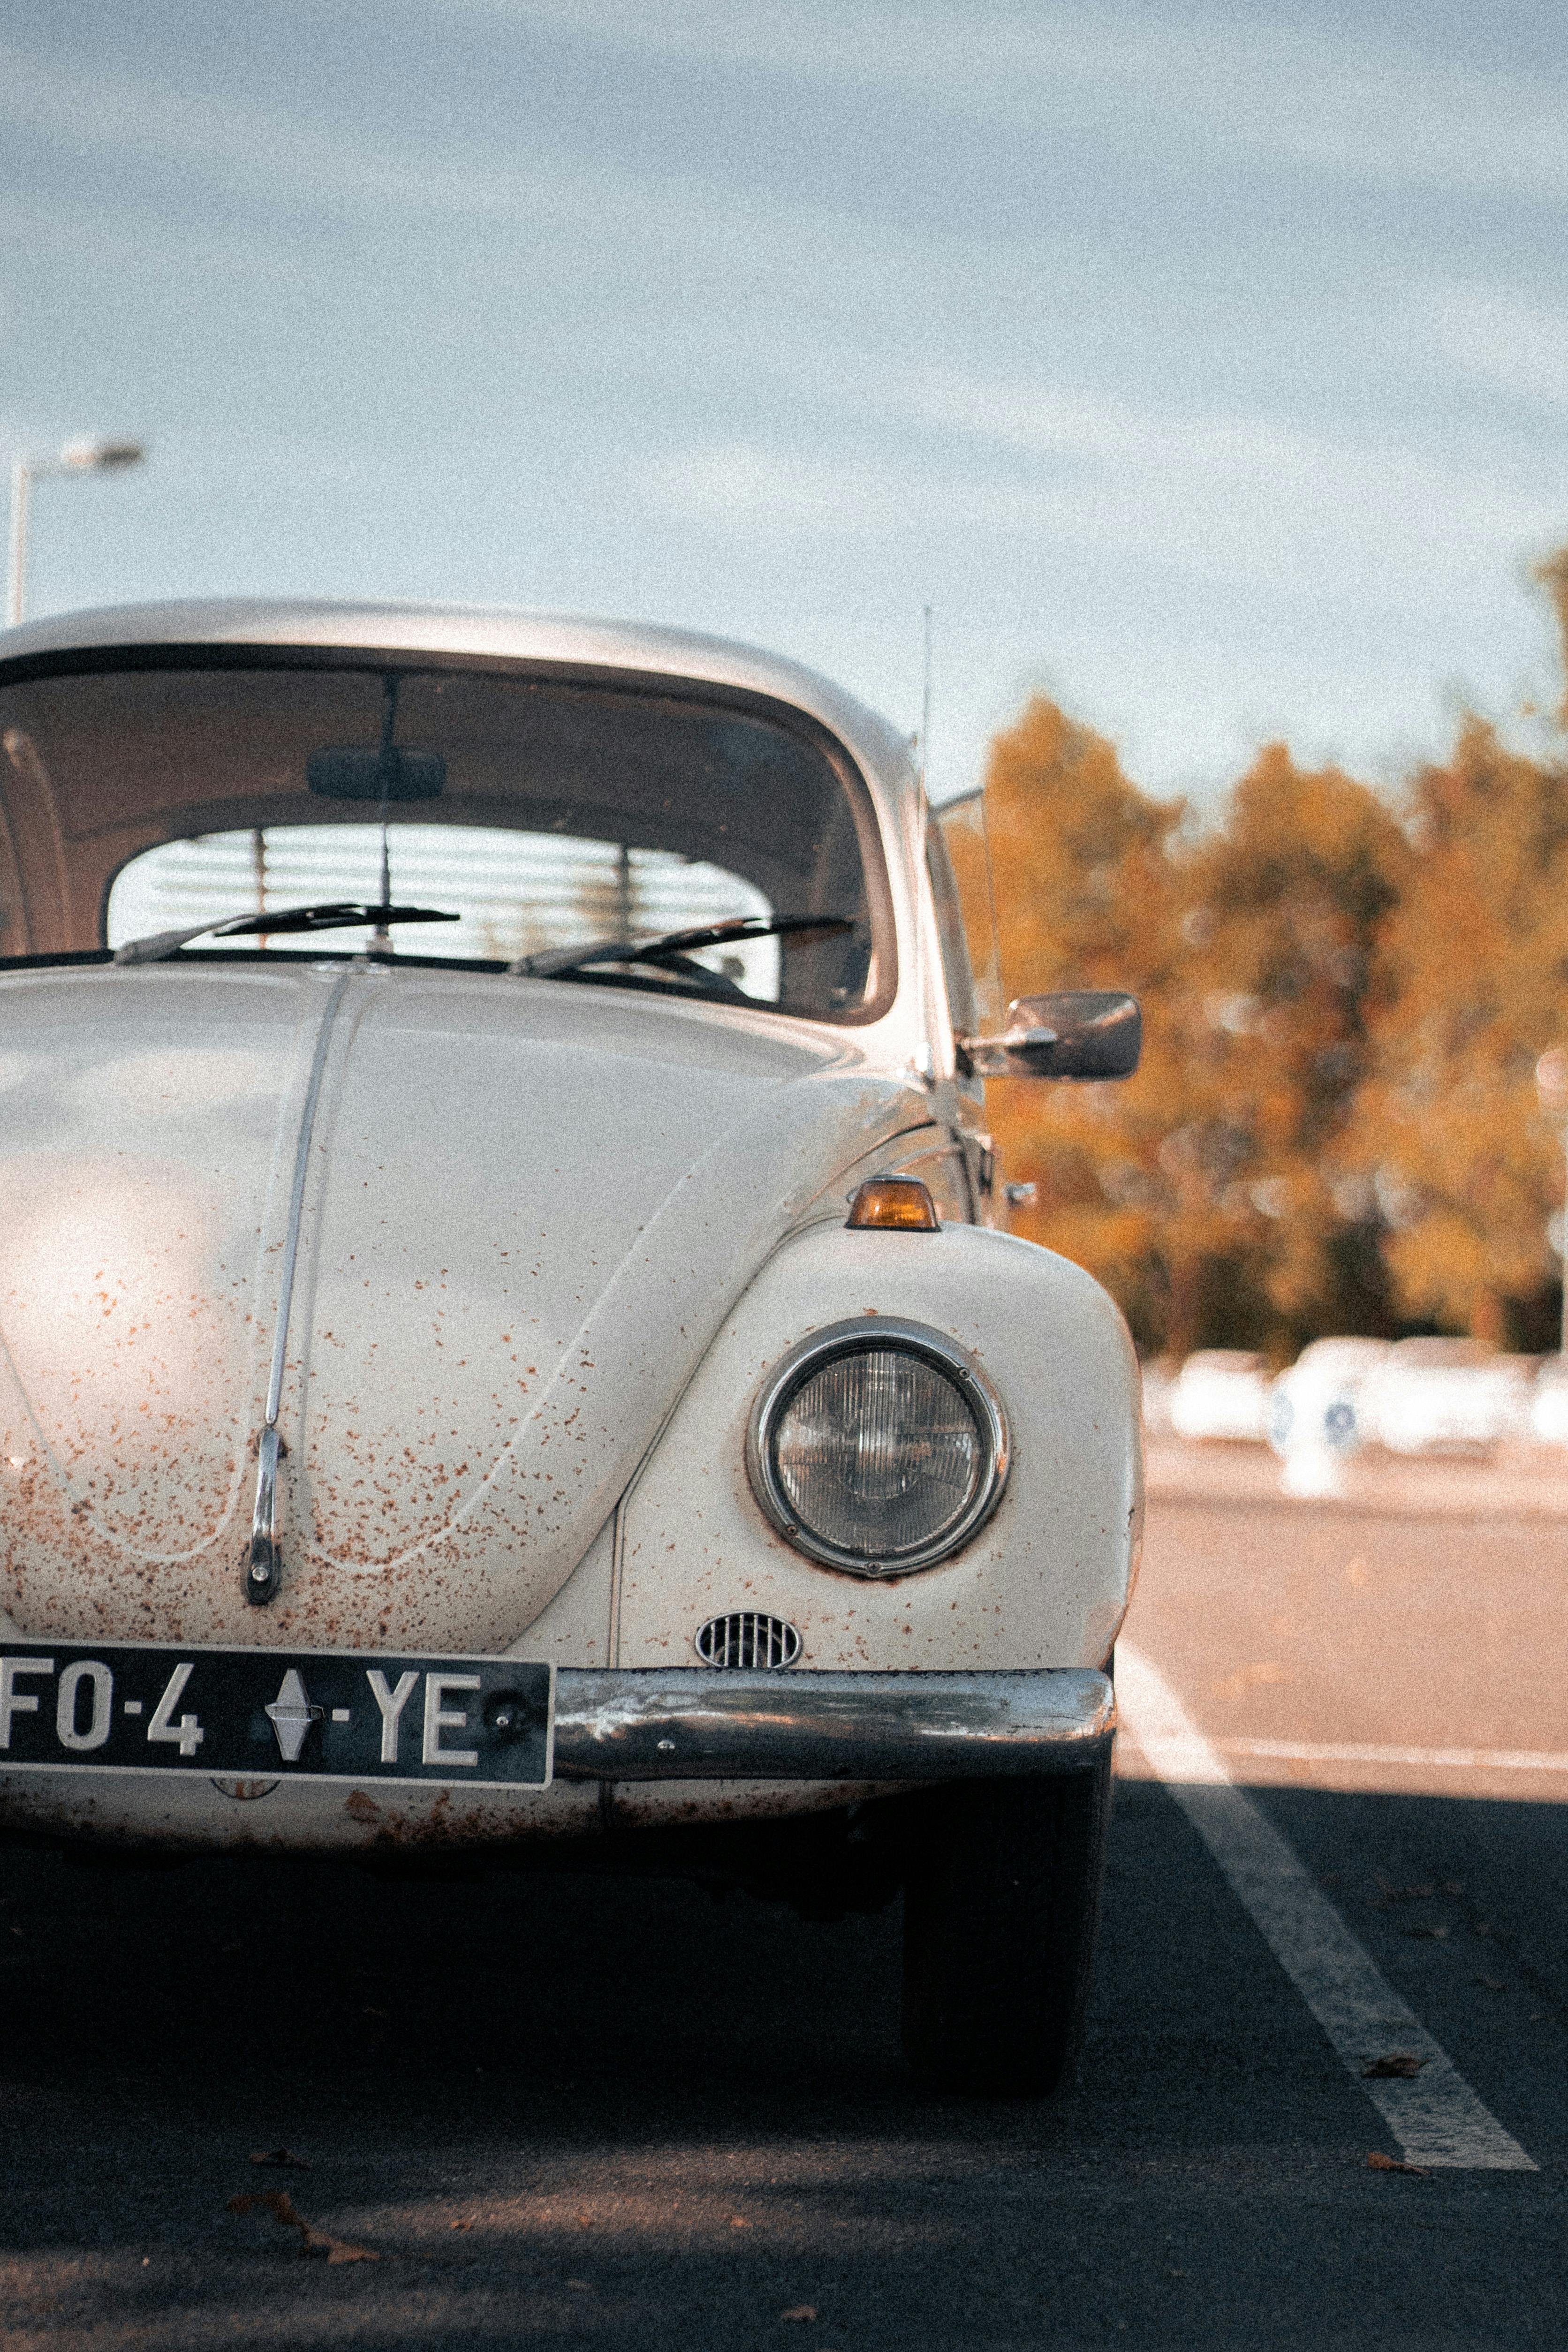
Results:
1477 962
1336 1122
1253 950
1086 897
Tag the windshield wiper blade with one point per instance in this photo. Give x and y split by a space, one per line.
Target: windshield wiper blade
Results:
333 915
555 963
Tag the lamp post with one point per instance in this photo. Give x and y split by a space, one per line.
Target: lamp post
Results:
1552 1086
76 457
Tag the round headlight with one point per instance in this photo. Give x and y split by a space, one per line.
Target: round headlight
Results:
878 1448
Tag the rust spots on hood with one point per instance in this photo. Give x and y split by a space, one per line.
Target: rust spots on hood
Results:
512 1253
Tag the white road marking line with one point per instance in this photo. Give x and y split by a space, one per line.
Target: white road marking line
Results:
1436 2116
1442 1759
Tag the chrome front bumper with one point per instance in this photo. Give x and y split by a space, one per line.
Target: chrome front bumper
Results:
713 1723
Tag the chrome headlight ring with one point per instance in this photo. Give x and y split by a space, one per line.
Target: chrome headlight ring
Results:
885 1336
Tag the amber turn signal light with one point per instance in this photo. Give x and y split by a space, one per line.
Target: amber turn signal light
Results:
893 1204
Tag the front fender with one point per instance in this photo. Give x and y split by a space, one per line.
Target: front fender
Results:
1045 1582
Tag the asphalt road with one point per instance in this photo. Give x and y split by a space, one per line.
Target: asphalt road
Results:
564 2111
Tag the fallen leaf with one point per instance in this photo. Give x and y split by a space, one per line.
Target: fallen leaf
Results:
460 2225
280 2205
1401 2066
282 2158
799 2311
1378 2162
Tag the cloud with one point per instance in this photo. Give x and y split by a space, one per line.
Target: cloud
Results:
1363 109
1224 498
1187 88
1506 341
78 111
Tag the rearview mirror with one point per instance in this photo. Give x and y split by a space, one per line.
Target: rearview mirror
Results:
363 771
1077 1032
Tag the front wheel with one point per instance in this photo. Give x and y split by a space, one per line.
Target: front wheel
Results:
1001 1908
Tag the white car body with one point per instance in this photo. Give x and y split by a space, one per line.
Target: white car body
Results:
1222 1393
551 1241
1549 1403
1314 1405
1445 1396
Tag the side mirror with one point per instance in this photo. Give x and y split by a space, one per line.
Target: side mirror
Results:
1077 1032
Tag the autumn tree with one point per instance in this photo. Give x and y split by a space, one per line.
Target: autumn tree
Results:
1553 577
1087 896
1210 1192
1284 907
1336 1124
1448 1128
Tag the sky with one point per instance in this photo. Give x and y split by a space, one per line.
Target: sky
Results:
1206 368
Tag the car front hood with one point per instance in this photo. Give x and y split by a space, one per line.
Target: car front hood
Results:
527 1207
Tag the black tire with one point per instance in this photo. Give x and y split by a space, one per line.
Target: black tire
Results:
1001 1910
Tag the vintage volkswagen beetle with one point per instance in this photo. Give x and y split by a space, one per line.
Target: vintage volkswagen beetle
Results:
447 1397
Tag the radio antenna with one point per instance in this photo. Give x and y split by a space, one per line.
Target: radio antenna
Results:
925 1065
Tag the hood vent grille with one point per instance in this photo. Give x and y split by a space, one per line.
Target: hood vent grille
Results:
747 1638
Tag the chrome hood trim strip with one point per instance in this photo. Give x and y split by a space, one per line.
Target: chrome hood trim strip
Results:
264 1571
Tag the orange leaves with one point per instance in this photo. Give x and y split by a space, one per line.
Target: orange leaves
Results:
1476 955
1203 1191
1092 852
1336 1124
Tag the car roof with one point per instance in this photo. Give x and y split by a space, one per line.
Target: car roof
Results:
567 638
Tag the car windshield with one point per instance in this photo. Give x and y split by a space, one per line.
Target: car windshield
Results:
545 813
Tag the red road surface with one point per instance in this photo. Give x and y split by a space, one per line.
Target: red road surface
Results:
1428 1611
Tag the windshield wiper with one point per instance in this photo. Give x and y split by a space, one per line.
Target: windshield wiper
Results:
559 963
334 915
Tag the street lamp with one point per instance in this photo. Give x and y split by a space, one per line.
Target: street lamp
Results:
76 457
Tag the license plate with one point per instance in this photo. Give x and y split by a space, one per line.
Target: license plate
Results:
308 1715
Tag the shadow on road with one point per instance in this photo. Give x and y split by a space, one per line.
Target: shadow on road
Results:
661 2120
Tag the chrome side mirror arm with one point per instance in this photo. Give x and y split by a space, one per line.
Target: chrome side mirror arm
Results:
1076 1033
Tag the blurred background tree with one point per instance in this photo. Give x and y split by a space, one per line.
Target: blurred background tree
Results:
1087 896
1335 1128
1466 1166
1207 1192
1284 907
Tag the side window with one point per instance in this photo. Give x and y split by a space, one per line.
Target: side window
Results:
966 913
955 965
